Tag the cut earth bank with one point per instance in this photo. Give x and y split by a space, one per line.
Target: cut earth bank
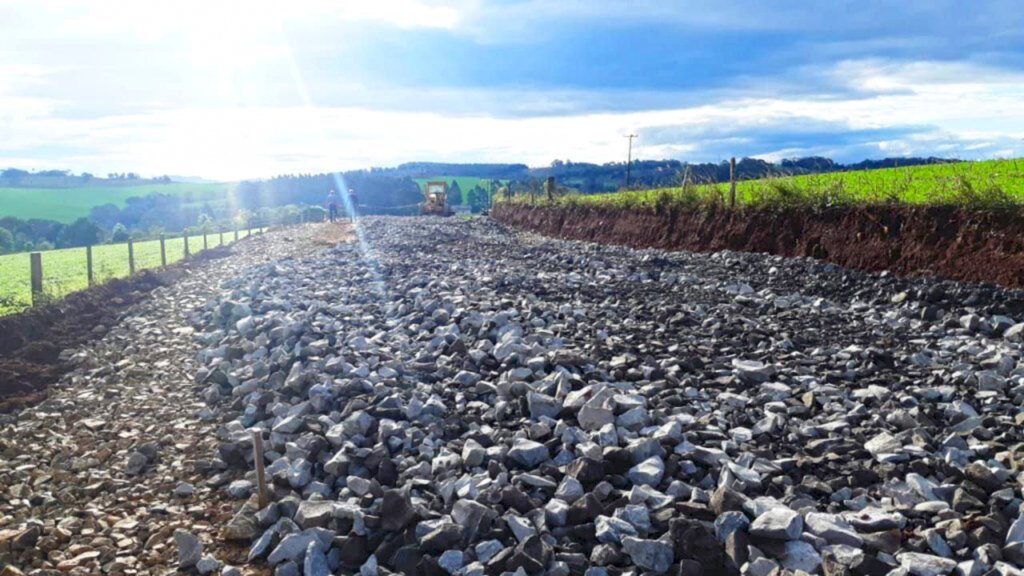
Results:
908 240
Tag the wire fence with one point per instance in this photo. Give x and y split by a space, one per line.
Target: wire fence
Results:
34 278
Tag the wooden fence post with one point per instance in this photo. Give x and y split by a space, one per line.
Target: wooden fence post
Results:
732 182
205 245
262 497
36 260
163 250
131 257
236 232
186 243
221 236
88 265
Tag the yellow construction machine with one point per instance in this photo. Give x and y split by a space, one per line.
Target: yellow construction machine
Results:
435 202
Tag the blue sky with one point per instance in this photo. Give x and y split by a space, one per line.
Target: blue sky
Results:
232 90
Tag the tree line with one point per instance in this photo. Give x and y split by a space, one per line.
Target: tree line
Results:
390 191
591 178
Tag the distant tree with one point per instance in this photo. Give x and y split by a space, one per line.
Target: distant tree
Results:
119 233
81 232
105 215
14 173
86 176
43 246
454 194
6 241
479 199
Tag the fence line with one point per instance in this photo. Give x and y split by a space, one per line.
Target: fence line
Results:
37 277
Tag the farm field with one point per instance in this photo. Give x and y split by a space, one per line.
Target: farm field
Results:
466 183
980 184
67 204
64 271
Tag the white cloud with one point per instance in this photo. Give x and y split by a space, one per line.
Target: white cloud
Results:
211 87
240 142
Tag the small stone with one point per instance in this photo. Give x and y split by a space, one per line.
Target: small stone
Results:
527 453
487 550
611 530
190 548
832 528
208 565
184 490
883 443
315 563
777 523
136 463
800 555
451 561
570 490
920 564
400 512
653 555
648 472
239 489
542 405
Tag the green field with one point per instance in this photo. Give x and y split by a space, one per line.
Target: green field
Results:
64 271
466 183
985 184
67 204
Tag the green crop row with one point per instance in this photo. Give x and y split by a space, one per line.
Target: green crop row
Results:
983 185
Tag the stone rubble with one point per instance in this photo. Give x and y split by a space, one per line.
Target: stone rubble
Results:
452 397
97 478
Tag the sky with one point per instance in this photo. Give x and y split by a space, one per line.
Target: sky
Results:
232 90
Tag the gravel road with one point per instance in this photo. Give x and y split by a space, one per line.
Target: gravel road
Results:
94 480
449 397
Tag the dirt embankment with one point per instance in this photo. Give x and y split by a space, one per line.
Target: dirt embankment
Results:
911 241
31 342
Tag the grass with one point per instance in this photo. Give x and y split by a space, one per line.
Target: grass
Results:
64 271
67 204
982 185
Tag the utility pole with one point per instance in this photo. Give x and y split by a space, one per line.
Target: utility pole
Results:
629 159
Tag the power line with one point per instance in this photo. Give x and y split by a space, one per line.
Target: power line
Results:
629 158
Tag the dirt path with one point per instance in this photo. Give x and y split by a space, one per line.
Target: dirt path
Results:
73 498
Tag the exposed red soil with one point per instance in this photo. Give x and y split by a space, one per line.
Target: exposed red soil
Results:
31 342
981 246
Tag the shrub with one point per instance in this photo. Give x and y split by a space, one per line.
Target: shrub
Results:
119 233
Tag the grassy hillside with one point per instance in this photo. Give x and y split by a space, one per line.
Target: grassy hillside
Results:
466 183
982 184
67 204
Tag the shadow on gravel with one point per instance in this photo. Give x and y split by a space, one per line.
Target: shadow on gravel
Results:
31 342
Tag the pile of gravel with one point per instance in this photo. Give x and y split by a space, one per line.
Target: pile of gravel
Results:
454 398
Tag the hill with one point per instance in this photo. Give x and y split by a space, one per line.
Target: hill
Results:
66 204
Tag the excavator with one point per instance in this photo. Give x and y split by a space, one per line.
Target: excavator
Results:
435 201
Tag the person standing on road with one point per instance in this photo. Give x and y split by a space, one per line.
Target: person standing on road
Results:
332 205
352 203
